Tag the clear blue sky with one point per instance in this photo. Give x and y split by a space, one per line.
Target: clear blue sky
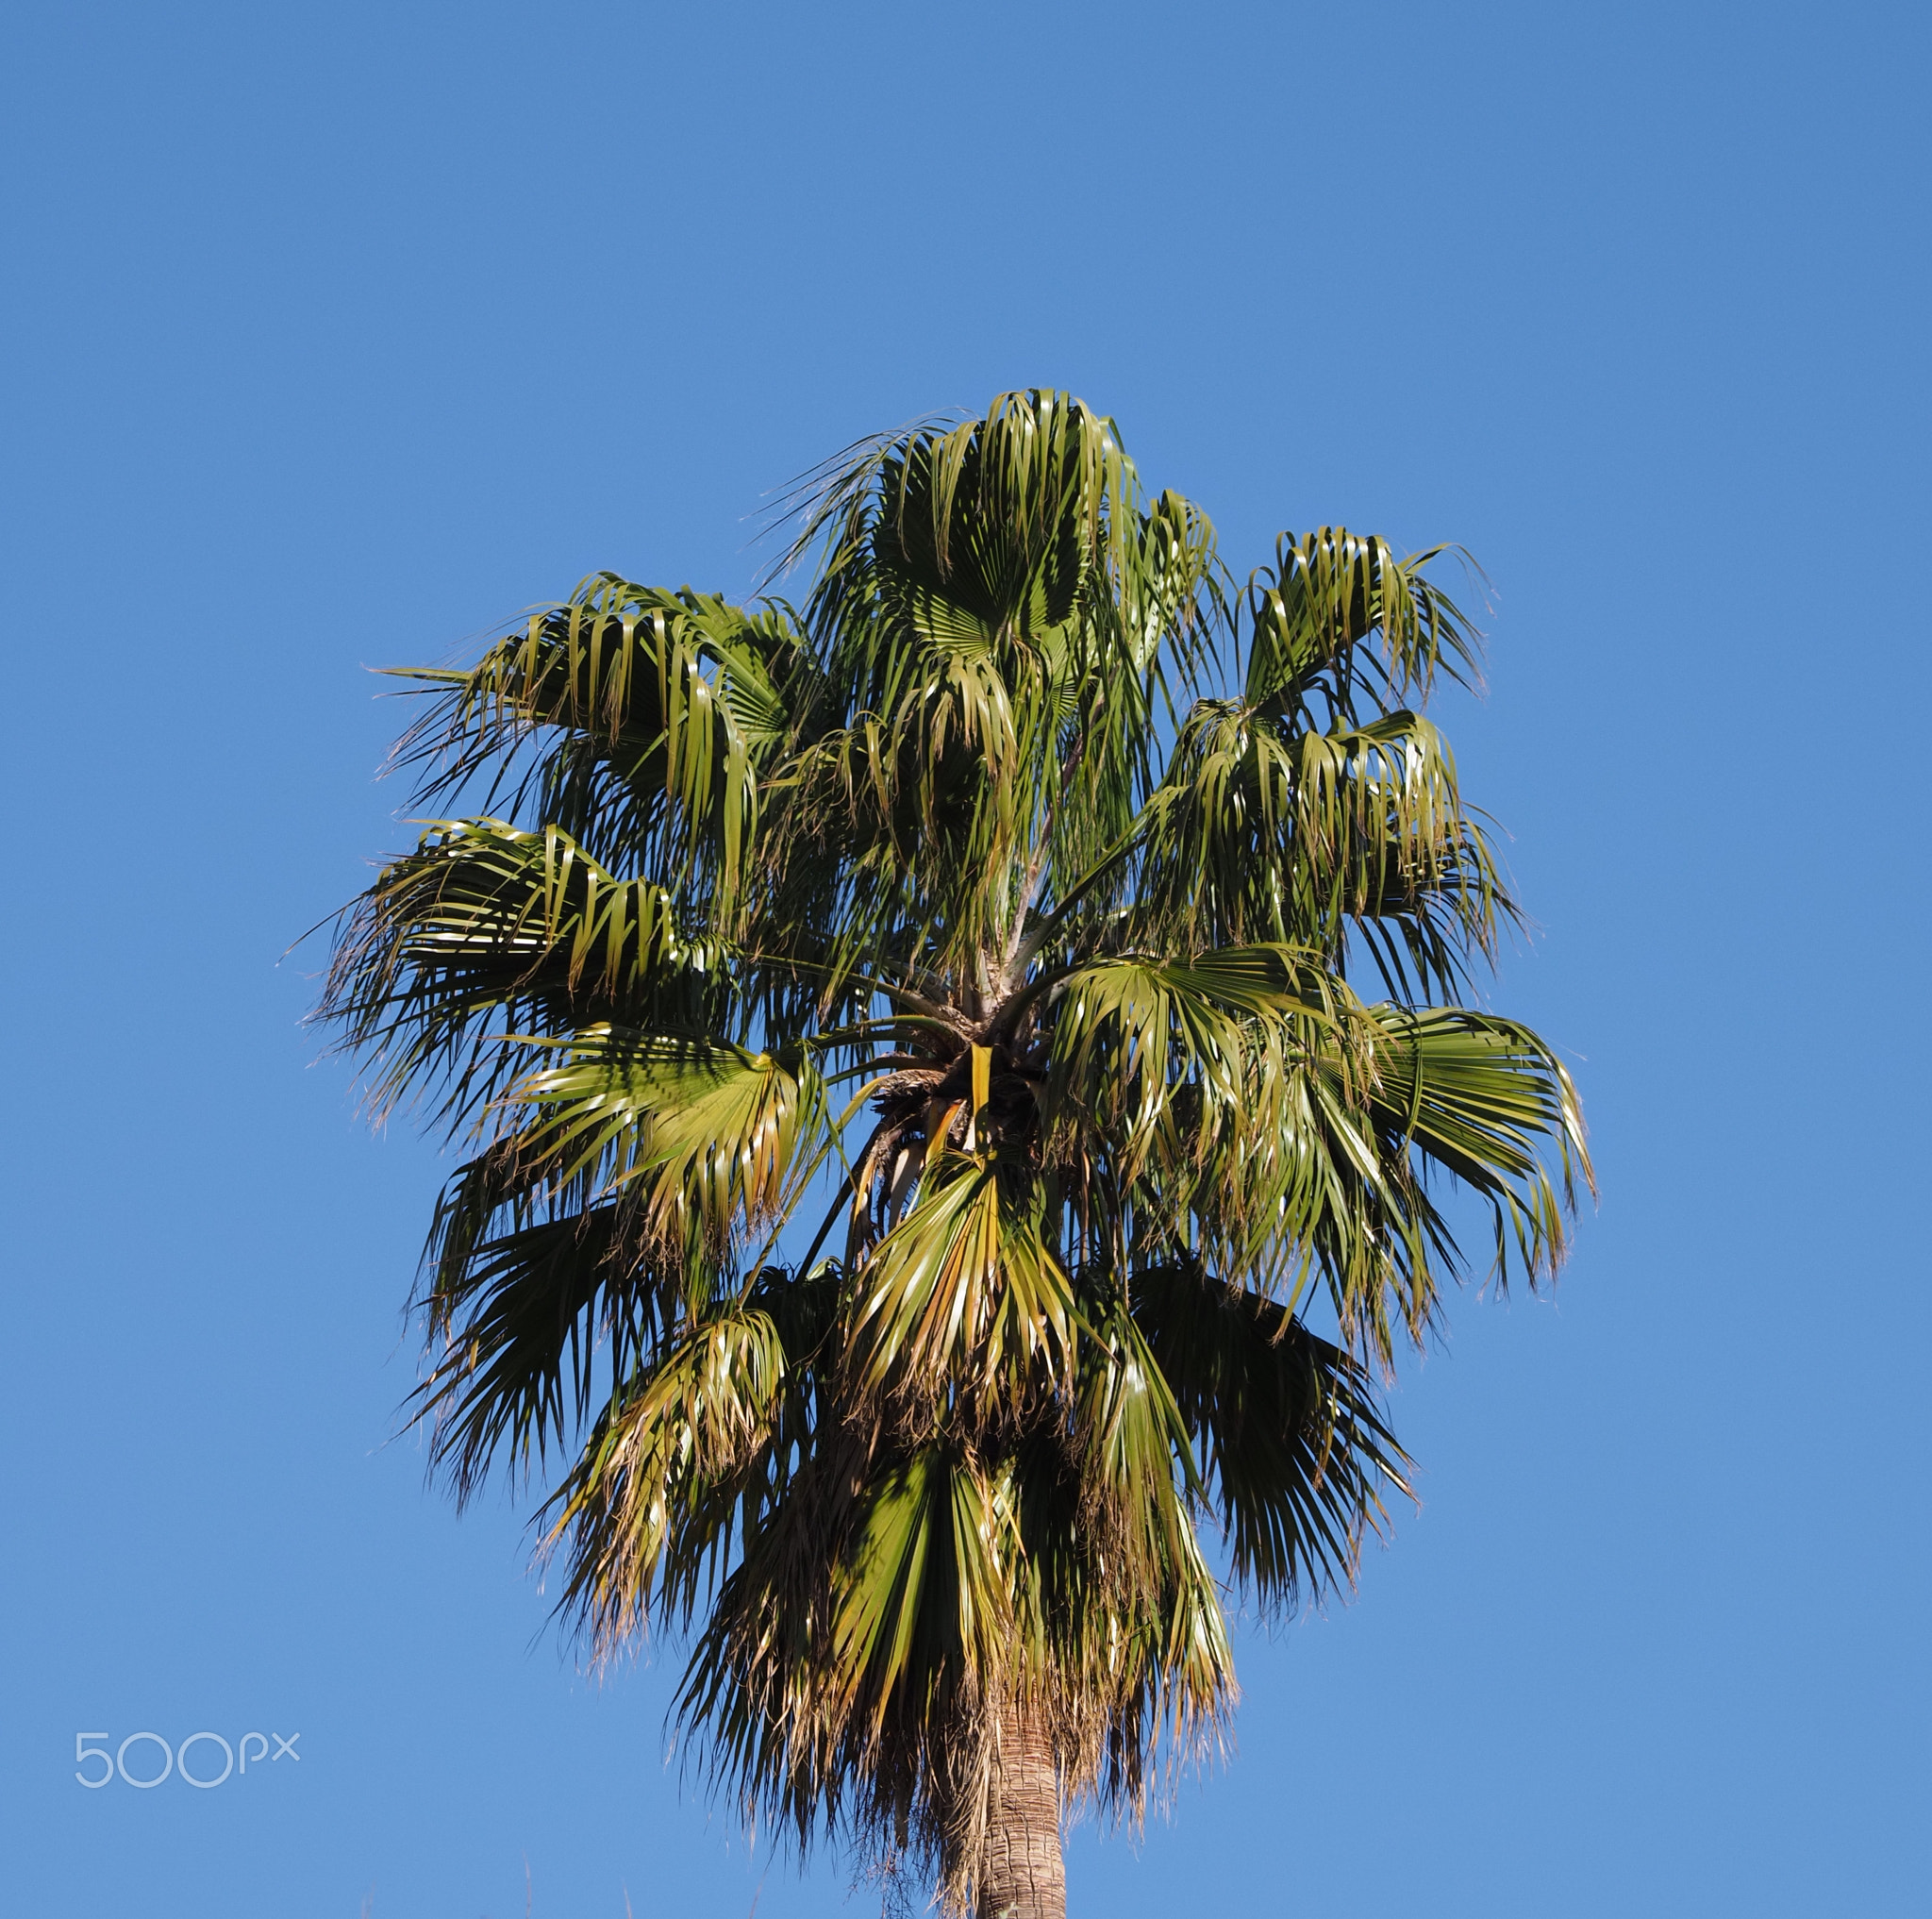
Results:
335 333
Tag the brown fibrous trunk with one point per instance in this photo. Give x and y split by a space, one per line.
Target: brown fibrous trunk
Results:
1022 1874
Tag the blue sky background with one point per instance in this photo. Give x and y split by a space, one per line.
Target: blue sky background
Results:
335 334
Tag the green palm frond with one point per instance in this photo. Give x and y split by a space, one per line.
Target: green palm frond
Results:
488 930
531 1328
924 1587
706 1142
1338 620
1139 1484
1130 1034
1001 919
964 1288
660 1473
1293 1451
1265 831
1485 1101
648 713
1000 610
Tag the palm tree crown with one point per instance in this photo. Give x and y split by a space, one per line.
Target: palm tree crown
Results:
949 923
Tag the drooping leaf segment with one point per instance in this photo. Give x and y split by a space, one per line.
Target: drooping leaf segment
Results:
917 1082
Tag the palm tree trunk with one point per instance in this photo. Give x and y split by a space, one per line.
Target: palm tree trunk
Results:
1023 1877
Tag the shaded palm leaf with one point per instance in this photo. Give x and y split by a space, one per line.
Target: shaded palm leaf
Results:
1293 1451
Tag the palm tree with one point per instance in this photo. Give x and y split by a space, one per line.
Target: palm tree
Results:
918 1104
